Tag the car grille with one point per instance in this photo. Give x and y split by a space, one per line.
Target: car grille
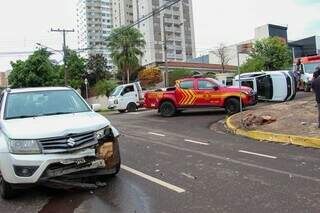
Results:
68 143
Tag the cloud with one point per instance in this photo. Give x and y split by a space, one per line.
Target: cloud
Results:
232 21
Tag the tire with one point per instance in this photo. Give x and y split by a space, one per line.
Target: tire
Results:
132 107
122 111
293 97
232 106
306 88
6 190
167 109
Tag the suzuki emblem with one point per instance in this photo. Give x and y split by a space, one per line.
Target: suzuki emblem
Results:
71 142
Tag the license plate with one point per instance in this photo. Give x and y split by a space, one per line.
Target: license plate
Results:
76 161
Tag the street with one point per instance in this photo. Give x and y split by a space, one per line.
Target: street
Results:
179 165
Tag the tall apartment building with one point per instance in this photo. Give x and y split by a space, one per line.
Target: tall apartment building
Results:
94 24
176 23
122 12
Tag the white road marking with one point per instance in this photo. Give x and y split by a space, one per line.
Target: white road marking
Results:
156 134
196 142
223 158
154 180
258 154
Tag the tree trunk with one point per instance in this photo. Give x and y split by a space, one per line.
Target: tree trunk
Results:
128 75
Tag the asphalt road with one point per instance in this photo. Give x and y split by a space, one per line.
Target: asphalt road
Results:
179 165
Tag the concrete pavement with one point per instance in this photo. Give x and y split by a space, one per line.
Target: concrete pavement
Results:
179 165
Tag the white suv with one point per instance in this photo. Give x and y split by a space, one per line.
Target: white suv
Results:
51 134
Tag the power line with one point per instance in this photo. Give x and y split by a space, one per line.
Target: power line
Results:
64 47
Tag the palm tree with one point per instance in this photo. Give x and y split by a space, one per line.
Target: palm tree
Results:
126 45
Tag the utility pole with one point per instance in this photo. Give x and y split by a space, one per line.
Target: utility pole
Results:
165 48
64 47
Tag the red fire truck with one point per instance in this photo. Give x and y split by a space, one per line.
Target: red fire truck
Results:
199 92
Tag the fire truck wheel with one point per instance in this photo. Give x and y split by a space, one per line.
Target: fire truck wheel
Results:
132 107
232 106
167 109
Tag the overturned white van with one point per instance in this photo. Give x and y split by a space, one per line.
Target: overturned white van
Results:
270 86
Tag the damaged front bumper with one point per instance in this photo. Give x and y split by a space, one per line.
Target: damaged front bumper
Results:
102 159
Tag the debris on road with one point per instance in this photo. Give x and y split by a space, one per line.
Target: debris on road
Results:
189 176
252 120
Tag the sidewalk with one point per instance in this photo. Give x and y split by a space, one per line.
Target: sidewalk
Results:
296 123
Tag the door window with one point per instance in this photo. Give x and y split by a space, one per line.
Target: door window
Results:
186 85
247 84
205 85
127 89
265 87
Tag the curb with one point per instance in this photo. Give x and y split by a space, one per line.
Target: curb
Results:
274 137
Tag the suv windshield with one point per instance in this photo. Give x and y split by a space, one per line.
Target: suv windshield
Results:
43 103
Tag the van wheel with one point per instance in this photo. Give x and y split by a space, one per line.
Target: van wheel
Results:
132 107
307 88
122 111
167 109
232 106
6 190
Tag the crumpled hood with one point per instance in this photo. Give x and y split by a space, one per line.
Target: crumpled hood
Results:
53 126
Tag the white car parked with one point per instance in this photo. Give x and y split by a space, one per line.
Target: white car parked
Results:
51 134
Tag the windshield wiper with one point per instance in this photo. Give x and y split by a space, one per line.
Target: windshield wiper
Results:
21 116
56 113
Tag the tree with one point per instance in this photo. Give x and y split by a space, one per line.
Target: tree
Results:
222 53
177 74
268 54
76 70
252 65
126 45
104 87
97 69
36 71
210 75
149 77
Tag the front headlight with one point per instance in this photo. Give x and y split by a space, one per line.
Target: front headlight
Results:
103 133
116 101
24 147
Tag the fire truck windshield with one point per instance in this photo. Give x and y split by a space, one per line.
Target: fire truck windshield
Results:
311 68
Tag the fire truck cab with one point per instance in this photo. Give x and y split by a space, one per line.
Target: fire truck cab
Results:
306 66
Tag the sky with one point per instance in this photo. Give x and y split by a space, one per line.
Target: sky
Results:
23 23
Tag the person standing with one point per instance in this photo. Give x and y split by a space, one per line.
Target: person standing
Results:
316 89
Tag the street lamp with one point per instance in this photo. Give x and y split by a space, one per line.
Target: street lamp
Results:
86 83
43 46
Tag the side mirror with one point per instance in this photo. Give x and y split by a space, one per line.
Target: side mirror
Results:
96 107
216 88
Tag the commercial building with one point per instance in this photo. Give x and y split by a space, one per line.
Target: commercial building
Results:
304 47
4 79
175 25
94 24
